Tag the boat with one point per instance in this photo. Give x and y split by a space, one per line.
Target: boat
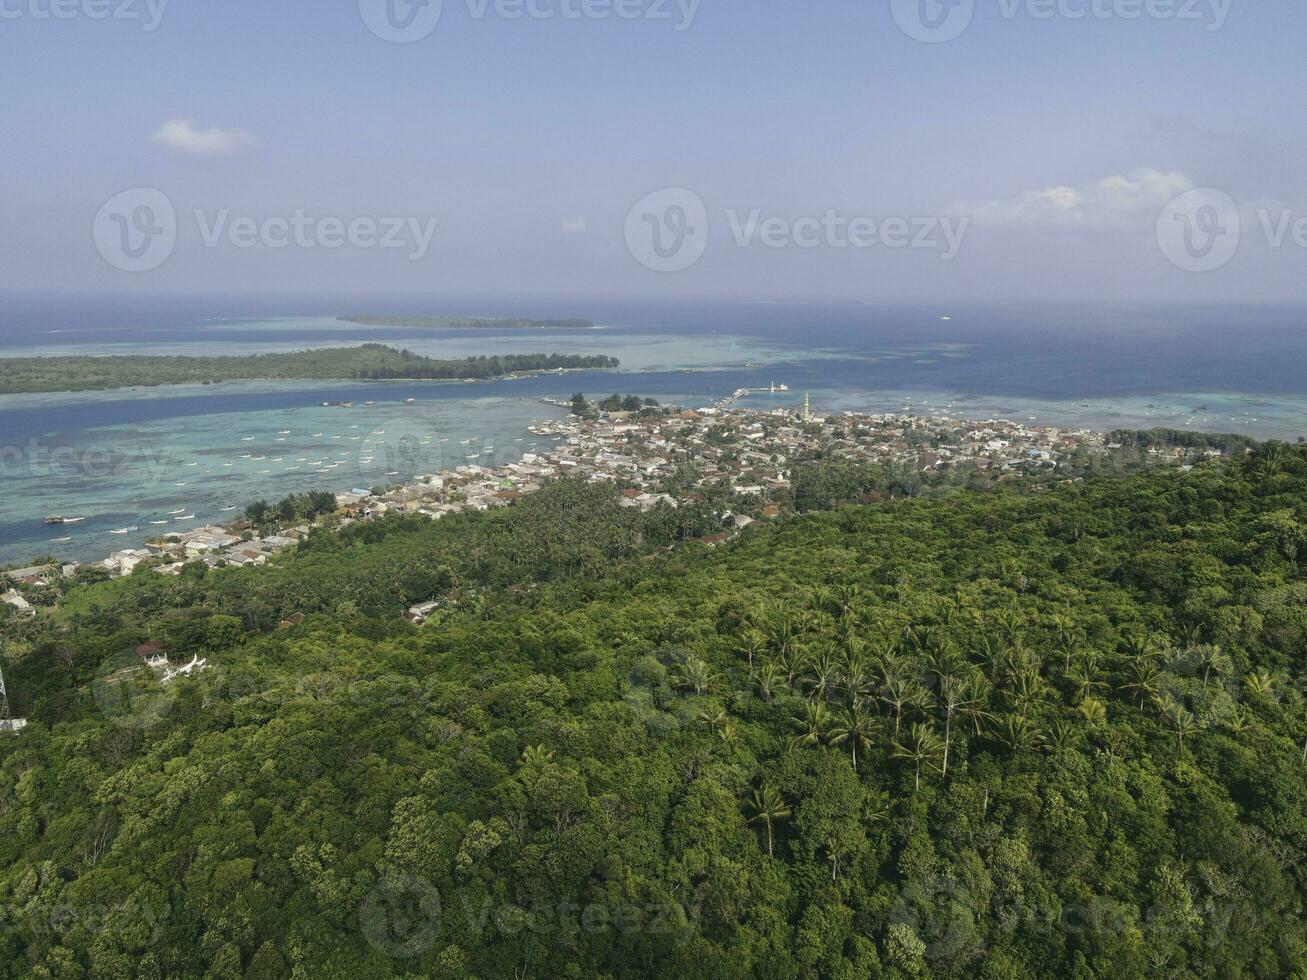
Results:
158 522
61 540
226 510
125 530
247 439
179 510
284 432
54 519
74 520
410 401
179 484
185 517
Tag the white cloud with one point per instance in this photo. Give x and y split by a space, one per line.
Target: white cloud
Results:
183 136
574 226
1118 200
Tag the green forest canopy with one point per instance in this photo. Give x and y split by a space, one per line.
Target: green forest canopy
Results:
374 362
998 734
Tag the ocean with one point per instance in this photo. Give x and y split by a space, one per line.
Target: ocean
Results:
173 458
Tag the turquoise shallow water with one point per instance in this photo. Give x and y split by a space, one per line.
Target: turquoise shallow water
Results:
129 458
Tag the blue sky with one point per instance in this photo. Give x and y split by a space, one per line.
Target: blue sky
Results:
1059 141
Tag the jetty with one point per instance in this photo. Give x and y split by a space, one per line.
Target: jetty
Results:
739 393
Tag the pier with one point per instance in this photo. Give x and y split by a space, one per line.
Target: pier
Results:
739 393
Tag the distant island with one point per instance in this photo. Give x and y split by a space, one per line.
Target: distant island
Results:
368 362
466 323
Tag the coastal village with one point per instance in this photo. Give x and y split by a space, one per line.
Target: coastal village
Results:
645 455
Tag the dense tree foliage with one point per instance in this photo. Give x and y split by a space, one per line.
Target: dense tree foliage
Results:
1002 733
372 362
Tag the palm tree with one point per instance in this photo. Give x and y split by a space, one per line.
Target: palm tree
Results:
922 747
694 674
814 723
1182 723
752 643
1019 734
770 679
769 807
1260 684
1085 677
1213 660
899 691
955 694
536 754
1143 678
825 673
1093 711
855 726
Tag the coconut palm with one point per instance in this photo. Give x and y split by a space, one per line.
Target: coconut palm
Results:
1019 734
855 726
752 643
813 723
922 747
769 808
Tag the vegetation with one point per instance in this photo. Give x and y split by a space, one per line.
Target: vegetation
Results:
467 323
613 403
999 733
369 362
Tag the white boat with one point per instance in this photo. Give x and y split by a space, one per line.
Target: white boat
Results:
125 530
158 522
247 439
74 520
284 432
192 464
185 517
179 484
179 510
60 540
317 435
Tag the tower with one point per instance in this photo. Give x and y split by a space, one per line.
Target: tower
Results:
807 408
7 722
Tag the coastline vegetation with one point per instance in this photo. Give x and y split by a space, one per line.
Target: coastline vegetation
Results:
1003 733
368 362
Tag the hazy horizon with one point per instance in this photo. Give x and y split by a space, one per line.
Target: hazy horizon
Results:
842 156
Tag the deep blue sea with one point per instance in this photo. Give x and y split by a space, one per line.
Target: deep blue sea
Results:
150 458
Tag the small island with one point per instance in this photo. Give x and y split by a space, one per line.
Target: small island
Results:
466 323
368 362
